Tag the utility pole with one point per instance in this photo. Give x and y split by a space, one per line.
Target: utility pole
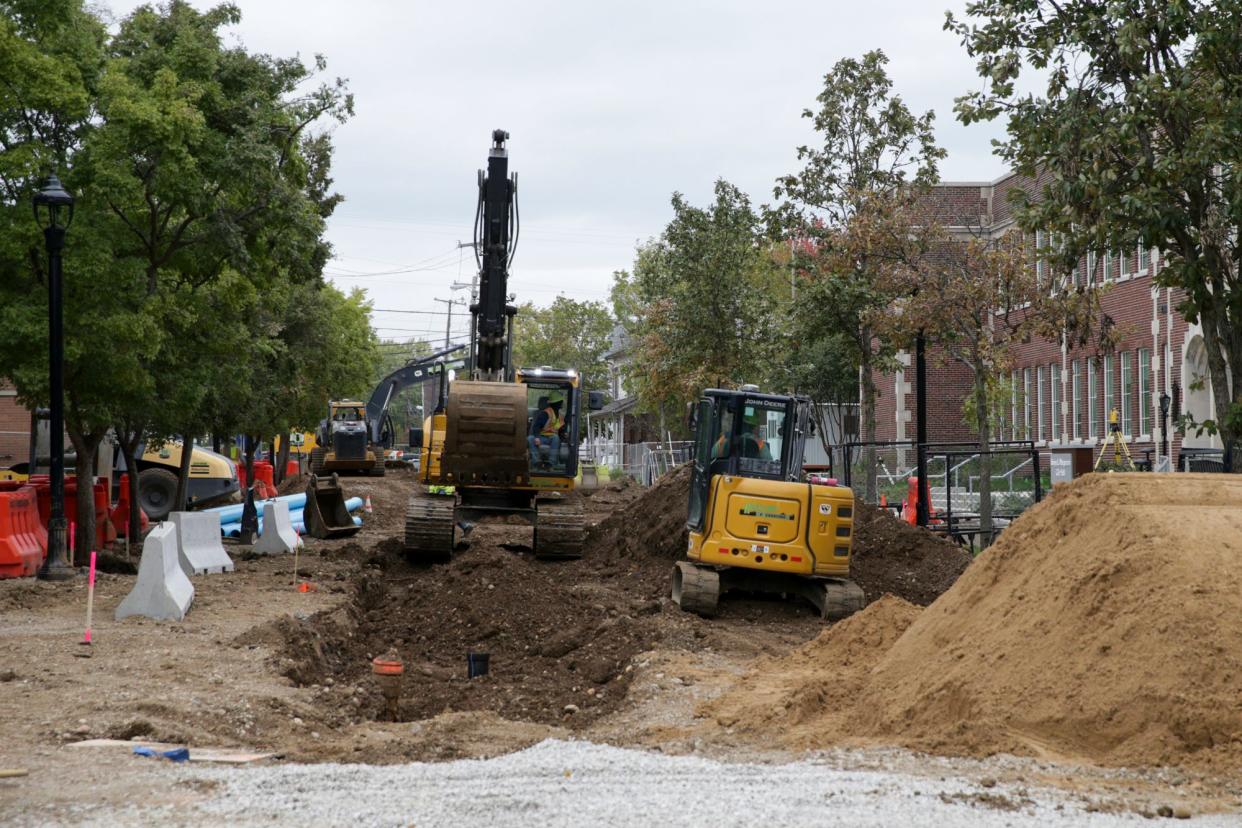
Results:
448 332
448 326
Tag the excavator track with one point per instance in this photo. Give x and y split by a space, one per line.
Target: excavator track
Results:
842 599
560 531
430 528
696 588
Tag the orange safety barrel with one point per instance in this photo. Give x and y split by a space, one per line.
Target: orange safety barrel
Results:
120 513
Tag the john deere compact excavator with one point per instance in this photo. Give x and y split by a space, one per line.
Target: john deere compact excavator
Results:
754 525
506 441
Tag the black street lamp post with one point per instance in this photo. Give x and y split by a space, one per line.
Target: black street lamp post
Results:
53 209
923 505
1165 402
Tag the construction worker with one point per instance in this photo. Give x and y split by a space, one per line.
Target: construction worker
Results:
544 438
721 446
754 446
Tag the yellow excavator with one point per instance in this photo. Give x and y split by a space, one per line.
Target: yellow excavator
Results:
504 441
754 524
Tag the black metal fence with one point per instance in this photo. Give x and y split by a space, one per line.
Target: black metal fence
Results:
955 481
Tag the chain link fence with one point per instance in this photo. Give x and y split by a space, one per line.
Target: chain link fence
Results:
645 462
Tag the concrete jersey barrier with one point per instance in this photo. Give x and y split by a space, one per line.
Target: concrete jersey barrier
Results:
278 537
198 543
162 590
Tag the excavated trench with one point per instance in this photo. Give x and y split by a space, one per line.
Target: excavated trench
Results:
559 635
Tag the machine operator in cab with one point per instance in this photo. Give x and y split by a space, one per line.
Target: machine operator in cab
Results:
545 433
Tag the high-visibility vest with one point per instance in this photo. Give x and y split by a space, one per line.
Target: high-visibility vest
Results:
552 425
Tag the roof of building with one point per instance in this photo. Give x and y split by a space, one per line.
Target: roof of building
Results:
618 407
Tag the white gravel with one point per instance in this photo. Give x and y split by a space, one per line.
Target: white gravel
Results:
557 783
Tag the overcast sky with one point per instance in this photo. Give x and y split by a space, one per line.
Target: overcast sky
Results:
611 108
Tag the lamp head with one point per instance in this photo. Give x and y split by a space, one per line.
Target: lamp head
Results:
53 205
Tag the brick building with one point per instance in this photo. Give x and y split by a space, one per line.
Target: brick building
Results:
14 429
1061 396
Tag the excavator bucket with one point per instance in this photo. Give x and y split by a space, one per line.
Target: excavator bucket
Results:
485 440
325 514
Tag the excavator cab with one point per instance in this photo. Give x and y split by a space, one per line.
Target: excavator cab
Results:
753 524
552 402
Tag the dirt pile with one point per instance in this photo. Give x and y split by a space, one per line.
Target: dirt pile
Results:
557 634
652 525
1105 625
891 556
805 698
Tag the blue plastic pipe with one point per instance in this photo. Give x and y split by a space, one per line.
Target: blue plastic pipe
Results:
233 530
232 514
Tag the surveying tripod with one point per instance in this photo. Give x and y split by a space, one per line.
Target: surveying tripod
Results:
1118 443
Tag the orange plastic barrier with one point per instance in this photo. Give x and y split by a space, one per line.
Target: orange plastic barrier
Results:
264 479
105 530
120 513
293 468
23 540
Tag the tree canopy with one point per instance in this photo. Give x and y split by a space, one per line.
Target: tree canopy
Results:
1137 137
565 334
194 297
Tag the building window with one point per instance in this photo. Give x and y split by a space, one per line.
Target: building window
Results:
1026 404
1039 404
1092 260
1144 256
1108 267
1127 389
1123 264
1093 401
1144 395
1110 402
1041 267
1013 405
1054 384
1076 411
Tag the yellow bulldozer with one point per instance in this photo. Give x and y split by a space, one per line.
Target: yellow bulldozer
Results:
754 524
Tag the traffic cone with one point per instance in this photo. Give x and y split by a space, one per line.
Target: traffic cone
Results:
366 507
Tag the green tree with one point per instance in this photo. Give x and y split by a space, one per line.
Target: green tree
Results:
565 334
1137 136
845 212
191 161
702 294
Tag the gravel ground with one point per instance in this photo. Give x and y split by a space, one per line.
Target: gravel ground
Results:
558 783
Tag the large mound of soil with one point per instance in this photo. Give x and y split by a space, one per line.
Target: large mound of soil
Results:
803 695
1106 625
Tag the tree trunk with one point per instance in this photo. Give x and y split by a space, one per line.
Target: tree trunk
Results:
252 446
983 417
250 519
283 459
271 457
183 473
1220 370
86 444
866 414
130 441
